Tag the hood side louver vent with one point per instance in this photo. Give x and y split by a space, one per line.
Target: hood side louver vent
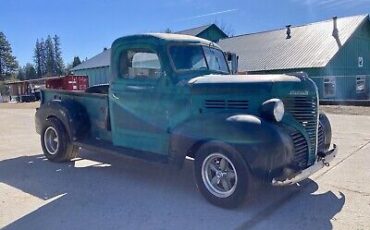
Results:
226 104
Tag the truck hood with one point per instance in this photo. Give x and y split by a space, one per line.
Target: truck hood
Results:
237 79
252 86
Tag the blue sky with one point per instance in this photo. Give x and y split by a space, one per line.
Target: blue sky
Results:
87 26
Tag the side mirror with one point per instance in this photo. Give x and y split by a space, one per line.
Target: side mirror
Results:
232 60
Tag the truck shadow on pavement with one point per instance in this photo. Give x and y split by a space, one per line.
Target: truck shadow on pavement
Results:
100 191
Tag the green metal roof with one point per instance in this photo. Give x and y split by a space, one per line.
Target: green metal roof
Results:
205 31
194 31
311 45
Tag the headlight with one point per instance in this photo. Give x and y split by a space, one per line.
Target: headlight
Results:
273 109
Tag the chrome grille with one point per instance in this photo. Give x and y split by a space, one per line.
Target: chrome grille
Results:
305 110
300 157
226 104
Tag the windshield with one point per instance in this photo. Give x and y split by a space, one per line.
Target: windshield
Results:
198 58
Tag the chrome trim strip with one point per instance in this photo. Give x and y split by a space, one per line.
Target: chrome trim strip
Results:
317 114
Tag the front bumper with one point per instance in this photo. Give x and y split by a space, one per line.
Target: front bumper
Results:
319 164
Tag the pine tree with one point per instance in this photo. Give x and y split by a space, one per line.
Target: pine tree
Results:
59 64
43 57
38 59
27 72
8 63
76 61
21 75
30 71
50 57
168 31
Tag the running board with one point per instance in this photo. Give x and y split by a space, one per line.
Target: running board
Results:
108 147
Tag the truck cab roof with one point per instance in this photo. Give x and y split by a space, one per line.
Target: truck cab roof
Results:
165 38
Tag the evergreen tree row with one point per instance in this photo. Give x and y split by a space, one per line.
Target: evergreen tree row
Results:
48 57
26 72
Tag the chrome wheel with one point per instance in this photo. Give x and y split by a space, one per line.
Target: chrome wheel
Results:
51 140
219 175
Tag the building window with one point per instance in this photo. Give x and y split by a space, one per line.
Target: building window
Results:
329 86
361 84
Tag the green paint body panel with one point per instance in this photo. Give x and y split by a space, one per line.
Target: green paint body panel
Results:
168 115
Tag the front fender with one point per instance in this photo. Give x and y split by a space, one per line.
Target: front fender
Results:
325 131
265 146
72 114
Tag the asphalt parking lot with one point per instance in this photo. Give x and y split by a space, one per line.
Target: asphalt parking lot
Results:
98 191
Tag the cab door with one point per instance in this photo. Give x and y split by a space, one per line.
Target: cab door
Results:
139 94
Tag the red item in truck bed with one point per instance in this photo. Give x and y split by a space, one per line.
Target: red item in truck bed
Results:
70 82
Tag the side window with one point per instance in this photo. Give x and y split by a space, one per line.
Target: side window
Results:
329 86
216 59
140 63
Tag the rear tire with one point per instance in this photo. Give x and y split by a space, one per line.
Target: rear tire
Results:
55 142
221 174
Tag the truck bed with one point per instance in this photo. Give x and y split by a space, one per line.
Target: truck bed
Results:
96 105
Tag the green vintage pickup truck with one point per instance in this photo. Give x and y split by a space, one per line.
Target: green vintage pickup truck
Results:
172 96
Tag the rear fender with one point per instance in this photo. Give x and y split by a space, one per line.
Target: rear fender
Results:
71 113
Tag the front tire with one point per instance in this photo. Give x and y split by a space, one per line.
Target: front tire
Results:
221 174
55 142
